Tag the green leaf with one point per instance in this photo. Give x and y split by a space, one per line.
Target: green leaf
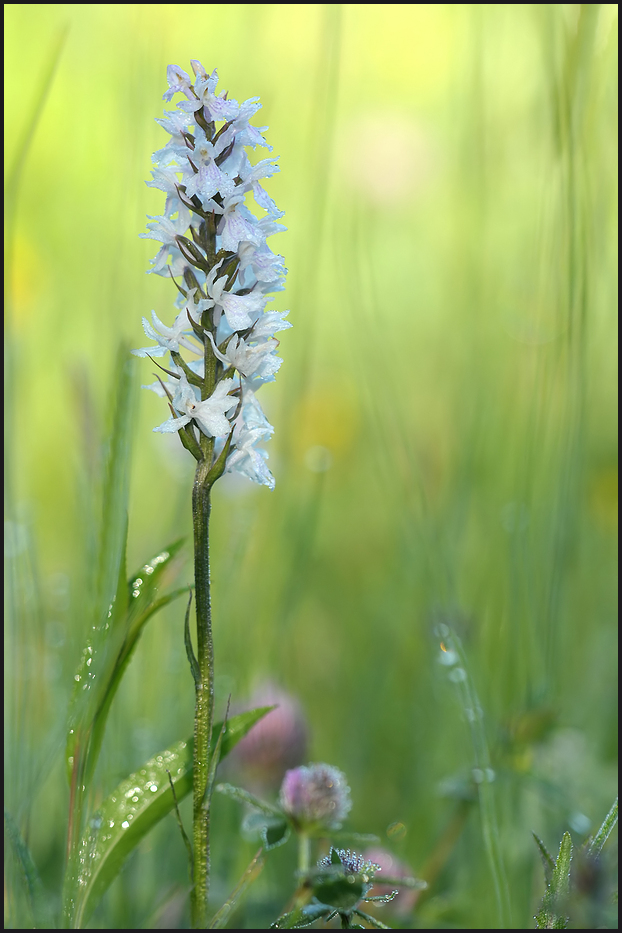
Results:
302 917
87 727
113 530
37 898
371 920
596 844
360 839
243 796
255 867
275 834
342 892
561 873
547 859
192 661
272 828
105 614
213 764
551 915
135 629
135 806
416 884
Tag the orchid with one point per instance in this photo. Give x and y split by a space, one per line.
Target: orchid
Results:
216 250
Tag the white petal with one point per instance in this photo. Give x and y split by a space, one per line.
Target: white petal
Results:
172 425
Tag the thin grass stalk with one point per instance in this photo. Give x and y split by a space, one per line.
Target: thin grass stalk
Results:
485 777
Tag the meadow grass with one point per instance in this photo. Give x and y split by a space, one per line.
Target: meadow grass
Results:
448 177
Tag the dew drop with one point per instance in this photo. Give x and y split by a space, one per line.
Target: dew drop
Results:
478 775
153 788
458 675
124 824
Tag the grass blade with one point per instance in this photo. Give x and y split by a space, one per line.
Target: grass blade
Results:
220 917
551 915
371 920
37 899
596 844
547 859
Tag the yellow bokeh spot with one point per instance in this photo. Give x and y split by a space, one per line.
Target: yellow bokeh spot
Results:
327 419
27 279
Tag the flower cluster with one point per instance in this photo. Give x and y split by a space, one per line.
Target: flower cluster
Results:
315 796
218 247
351 862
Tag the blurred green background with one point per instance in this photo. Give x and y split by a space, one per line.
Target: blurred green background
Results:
445 444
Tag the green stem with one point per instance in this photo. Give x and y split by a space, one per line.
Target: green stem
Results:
304 852
204 694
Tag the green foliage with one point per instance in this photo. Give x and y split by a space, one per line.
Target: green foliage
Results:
136 805
266 820
38 899
555 906
243 796
221 916
548 862
552 913
342 892
595 845
301 917
275 834
135 602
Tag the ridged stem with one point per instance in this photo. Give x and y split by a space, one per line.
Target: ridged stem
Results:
204 695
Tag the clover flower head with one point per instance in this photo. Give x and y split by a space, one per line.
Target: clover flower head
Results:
215 250
277 742
315 795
